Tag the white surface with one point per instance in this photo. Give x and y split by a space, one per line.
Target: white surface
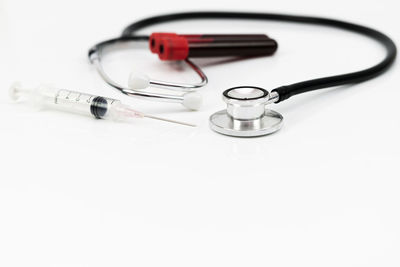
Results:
324 191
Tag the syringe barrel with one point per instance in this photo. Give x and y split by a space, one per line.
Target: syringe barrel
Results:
82 103
73 101
76 102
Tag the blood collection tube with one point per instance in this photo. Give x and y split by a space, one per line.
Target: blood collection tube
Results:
155 38
170 46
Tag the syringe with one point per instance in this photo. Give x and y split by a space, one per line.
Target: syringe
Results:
81 103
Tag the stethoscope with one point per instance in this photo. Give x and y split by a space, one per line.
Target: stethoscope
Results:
245 115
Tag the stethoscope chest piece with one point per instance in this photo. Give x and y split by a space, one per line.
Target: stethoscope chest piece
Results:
245 115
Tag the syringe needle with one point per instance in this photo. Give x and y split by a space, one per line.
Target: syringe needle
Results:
168 120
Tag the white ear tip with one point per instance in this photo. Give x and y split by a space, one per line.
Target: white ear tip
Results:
192 100
13 91
138 81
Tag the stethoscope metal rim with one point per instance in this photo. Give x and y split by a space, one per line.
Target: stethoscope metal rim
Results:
221 122
246 115
264 92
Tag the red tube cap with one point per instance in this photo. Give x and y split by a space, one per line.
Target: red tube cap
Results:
175 48
155 40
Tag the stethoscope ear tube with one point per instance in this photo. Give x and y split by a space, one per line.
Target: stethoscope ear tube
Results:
190 99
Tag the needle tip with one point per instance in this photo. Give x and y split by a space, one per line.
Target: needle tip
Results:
168 120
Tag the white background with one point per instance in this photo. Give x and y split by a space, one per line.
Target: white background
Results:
323 191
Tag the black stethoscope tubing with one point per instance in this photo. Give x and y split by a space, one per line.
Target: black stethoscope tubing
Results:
297 88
